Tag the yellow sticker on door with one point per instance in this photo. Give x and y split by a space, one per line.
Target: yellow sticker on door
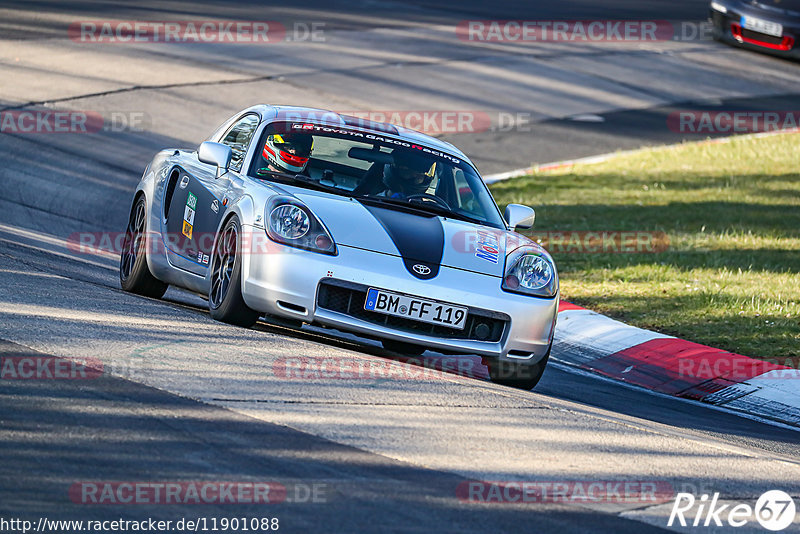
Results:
188 215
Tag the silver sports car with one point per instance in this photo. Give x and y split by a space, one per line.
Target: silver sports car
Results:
320 218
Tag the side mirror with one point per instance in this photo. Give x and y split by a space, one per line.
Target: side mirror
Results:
215 154
519 216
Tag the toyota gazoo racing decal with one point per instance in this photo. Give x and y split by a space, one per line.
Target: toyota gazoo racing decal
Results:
310 128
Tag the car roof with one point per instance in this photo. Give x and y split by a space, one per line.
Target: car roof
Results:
324 116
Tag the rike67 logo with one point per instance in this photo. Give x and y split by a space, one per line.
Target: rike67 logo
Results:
774 510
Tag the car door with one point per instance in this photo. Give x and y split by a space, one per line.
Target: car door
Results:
197 206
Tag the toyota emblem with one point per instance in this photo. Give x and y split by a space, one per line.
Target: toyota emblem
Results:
421 270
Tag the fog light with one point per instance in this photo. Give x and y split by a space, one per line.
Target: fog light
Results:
482 331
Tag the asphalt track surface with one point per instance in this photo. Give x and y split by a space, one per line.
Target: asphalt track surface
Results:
184 398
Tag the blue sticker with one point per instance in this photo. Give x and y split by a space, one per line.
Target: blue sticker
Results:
372 296
488 246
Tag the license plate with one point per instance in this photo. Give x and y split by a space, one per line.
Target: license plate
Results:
762 26
424 310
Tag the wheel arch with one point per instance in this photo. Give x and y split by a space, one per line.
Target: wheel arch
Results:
244 209
223 222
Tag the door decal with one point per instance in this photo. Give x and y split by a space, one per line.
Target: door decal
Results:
188 215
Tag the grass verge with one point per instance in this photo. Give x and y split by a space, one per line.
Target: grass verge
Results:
730 276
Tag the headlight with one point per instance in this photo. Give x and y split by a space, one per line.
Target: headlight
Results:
291 223
531 272
716 6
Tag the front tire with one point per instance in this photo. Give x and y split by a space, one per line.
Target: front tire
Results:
134 274
718 30
517 375
225 299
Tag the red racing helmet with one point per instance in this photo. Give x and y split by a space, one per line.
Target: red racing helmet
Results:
288 152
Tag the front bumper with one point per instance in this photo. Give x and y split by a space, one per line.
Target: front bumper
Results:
728 27
285 282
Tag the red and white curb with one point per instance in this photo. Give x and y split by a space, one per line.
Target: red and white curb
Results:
598 344
593 342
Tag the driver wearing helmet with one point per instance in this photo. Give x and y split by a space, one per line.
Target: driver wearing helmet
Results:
409 175
288 152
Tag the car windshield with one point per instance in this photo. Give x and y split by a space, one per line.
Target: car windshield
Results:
374 168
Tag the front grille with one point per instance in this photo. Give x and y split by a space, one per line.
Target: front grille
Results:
349 299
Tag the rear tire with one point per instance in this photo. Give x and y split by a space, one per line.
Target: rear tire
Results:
225 299
134 274
517 375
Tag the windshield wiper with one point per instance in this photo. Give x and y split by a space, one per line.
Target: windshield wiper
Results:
427 207
300 179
